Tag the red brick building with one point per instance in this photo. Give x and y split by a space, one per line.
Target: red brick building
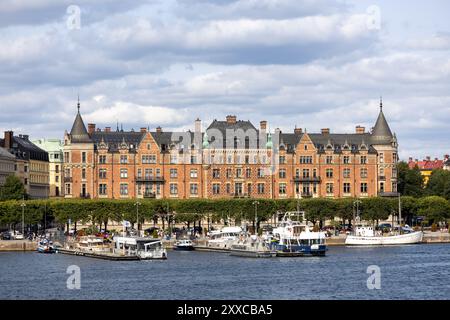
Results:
232 158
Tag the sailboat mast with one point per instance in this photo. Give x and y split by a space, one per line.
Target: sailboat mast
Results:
400 213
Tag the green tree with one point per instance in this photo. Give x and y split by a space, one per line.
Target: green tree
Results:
434 208
439 184
13 189
410 181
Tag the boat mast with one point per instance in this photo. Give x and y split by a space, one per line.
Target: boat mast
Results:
400 213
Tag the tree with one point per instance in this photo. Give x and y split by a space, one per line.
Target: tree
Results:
434 208
439 184
410 181
13 189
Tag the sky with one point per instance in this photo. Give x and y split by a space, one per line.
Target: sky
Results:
311 64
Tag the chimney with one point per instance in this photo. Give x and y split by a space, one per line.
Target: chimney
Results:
8 139
26 137
298 130
360 130
428 158
91 128
159 129
143 129
446 157
410 159
231 119
198 125
108 129
263 125
325 130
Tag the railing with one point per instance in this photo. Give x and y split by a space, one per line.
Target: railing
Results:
85 195
382 178
240 195
68 179
307 179
150 179
149 195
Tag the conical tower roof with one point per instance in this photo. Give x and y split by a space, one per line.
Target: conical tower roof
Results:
381 132
79 132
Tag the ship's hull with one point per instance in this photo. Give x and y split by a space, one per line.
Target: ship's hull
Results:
408 238
300 250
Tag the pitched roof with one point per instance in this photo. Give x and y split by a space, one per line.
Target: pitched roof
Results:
427 164
381 132
79 132
5 154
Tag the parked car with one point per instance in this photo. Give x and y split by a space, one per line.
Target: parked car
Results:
5 235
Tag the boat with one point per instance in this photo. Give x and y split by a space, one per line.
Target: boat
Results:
293 238
224 238
143 247
92 244
183 245
45 246
365 236
252 247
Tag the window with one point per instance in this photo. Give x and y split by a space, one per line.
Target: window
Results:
394 173
102 189
228 173
282 159
305 173
394 157
149 159
394 186
346 159
282 188
158 173
238 173
260 173
228 188
148 173
260 188
216 188
346 172
193 159
102 159
363 187
56 168
66 157
102 174
363 160
238 188
247 159
329 173
56 178
123 189
381 186
297 173
216 173
83 157
83 174
123 159
194 188
123 173
249 188
173 173
329 159
68 188
173 159
347 187
381 157
363 172
148 146
305 159
282 173
229 159
173 189
248 173
194 173
306 147
329 187
381 172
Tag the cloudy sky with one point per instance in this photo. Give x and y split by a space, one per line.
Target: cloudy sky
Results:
310 64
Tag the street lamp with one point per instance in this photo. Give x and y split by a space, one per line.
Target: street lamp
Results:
137 204
256 216
23 205
356 202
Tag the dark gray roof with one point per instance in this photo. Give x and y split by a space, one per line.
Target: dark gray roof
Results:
23 148
79 132
339 141
381 132
115 140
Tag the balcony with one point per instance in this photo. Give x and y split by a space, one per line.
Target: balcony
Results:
68 179
240 195
307 179
150 179
382 178
85 196
151 195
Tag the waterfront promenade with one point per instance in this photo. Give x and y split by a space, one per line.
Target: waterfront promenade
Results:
26 245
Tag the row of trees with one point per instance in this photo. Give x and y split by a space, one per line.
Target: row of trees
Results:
100 212
411 182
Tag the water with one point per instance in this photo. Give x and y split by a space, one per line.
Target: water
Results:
407 272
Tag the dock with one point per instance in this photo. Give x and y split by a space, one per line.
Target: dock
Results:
104 256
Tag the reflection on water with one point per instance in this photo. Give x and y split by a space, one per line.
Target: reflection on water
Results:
407 272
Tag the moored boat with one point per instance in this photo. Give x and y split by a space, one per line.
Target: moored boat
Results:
143 247
253 248
224 238
365 236
184 245
45 246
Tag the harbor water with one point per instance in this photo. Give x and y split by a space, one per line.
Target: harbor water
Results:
406 272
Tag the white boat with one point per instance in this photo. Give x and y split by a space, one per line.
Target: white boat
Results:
143 247
365 236
252 247
184 245
224 238
46 246
293 238
92 244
